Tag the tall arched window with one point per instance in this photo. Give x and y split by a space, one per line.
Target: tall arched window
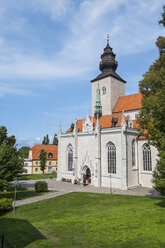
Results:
70 158
147 164
111 158
104 91
133 152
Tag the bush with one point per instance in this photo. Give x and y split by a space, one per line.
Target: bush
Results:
41 186
5 204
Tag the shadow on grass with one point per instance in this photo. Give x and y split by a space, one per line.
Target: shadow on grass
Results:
161 203
20 232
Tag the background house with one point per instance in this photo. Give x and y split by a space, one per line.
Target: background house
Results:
51 164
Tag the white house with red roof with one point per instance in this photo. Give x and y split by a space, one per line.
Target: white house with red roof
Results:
105 149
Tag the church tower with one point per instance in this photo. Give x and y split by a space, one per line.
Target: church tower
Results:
111 85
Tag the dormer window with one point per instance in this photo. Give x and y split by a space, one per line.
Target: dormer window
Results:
50 155
104 90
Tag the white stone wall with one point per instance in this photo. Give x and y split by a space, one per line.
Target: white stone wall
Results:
117 90
132 114
133 171
117 180
114 89
64 141
87 155
27 166
145 177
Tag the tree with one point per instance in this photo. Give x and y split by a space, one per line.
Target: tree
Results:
55 140
152 114
43 142
10 163
23 152
46 140
43 158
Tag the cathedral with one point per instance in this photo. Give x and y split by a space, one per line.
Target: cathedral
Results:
105 149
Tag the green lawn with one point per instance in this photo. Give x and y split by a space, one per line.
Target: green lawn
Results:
37 177
21 193
81 220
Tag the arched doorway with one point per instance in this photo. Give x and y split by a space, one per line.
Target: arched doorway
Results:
87 176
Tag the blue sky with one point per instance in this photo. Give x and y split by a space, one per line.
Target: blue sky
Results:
50 50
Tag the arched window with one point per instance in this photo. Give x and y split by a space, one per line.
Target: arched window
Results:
133 152
111 158
104 91
147 164
50 155
70 158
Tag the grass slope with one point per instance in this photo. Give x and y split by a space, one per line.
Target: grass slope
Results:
37 177
81 220
21 193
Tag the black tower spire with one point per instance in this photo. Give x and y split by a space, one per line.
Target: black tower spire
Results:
108 64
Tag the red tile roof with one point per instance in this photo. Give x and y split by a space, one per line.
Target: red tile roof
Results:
104 122
136 125
130 102
36 149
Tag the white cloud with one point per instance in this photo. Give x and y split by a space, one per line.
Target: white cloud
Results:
55 8
129 23
9 89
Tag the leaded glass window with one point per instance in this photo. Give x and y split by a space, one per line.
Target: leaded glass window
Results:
147 164
70 158
111 158
133 152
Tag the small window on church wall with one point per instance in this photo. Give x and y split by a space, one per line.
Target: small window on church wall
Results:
133 152
111 158
70 158
104 91
147 164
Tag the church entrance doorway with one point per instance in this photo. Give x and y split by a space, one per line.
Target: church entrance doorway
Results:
87 177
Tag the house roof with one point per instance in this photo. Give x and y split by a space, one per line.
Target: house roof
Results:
36 149
136 125
108 73
130 102
104 122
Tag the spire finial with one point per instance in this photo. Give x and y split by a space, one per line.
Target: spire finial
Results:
107 38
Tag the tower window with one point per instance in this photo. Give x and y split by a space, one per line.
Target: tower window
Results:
104 91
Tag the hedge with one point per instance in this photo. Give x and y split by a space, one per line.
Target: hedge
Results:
41 186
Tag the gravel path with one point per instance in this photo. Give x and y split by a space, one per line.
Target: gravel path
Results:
64 188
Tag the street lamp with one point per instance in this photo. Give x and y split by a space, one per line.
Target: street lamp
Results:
15 191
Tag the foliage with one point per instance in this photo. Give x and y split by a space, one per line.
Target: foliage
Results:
41 186
24 152
152 115
88 220
5 204
10 163
55 140
43 158
46 140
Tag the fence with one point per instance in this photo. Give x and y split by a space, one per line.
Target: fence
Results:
5 243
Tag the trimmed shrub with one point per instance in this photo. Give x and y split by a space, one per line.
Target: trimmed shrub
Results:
41 186
5 204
